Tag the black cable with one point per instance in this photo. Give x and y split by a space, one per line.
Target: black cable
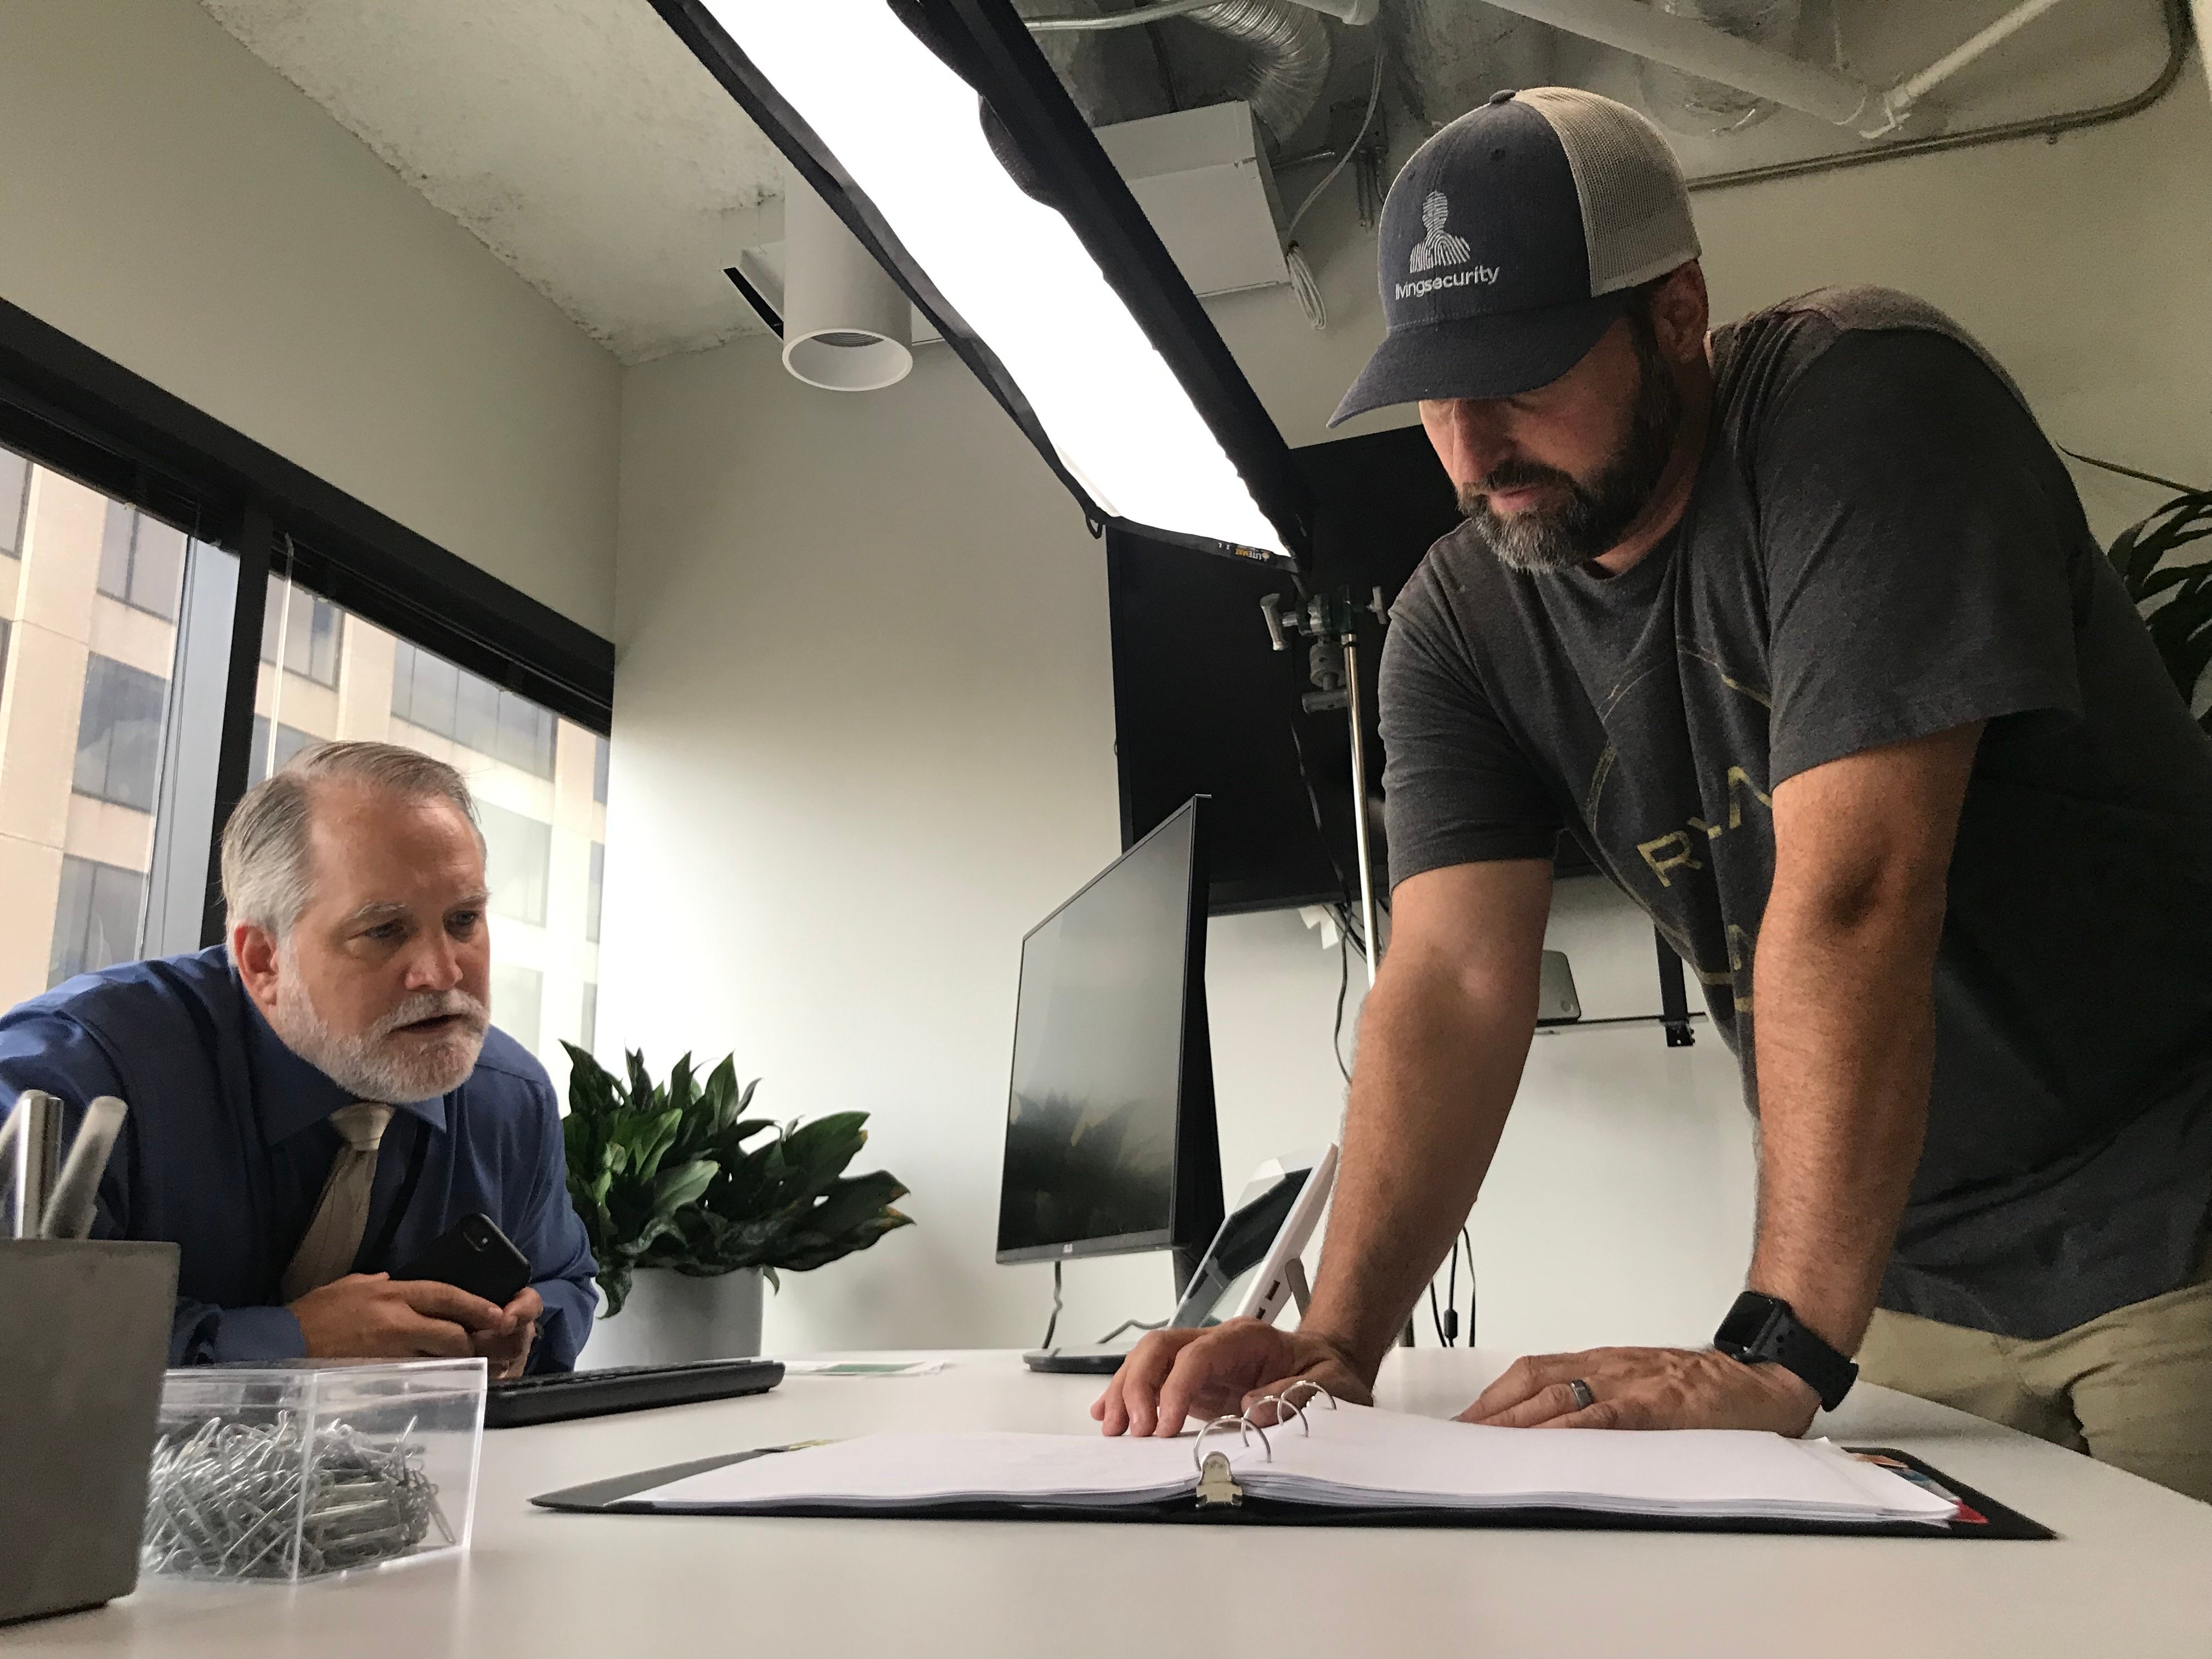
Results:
1451 1294
1469 1242
1350 928
1345 890
1053 1323
1437 1322
1131 1325
1343 983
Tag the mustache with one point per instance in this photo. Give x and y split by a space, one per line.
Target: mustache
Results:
1511 475
432 1004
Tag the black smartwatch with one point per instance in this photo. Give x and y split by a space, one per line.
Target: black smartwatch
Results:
1761 1330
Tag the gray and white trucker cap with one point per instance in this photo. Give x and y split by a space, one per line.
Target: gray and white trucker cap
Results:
1512 240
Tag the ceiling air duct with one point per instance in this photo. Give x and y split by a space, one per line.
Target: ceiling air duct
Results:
846 326
1290 58
1288 42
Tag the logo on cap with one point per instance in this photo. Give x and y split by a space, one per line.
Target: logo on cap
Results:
1439 246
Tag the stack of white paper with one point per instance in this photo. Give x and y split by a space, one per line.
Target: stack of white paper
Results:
1362 1458
1353 1457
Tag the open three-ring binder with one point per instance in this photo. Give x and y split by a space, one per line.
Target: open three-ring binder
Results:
1322 1464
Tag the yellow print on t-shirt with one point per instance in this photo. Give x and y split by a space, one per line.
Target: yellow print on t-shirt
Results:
1678 849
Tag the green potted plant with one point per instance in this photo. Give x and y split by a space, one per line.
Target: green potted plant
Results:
689 1204
2181 622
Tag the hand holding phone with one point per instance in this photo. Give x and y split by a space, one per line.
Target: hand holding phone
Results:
475 1257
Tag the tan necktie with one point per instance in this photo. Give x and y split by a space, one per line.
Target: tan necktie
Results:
342 1215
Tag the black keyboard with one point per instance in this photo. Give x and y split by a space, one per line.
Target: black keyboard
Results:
559 1395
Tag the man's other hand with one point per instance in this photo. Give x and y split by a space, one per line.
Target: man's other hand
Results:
1646 1388
507 1354
1174 1375
375 1316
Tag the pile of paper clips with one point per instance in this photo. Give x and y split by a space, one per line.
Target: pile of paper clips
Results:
243 1500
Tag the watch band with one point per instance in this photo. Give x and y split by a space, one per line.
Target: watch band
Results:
1763 1329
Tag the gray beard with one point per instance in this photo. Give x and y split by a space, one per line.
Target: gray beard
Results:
369 1067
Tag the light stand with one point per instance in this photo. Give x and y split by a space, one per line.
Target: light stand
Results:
1330 620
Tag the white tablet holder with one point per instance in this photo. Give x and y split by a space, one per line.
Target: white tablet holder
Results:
1271 1226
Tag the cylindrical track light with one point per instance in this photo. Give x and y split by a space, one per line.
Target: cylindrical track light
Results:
846 326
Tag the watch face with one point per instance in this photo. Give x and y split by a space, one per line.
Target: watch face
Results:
1746 1321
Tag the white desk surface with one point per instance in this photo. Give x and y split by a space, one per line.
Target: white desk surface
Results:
2131 1572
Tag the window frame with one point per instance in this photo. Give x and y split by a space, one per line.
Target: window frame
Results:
65 406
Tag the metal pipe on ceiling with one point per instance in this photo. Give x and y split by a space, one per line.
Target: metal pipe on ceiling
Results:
1698 48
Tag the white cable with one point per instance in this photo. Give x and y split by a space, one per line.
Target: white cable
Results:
1304 287
1374 101
1119 20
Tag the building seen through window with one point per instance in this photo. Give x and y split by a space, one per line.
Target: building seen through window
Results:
518 862
309 628
272 747
91 592
119 734
15 491
432 693
141 561
96 922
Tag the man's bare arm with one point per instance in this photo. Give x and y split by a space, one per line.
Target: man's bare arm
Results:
1442 1039
1844 1034
1843 1018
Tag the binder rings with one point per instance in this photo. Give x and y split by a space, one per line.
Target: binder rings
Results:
1356 1466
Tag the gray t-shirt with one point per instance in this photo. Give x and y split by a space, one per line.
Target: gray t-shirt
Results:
1881 545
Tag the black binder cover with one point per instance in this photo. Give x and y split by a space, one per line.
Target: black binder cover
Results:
1986 1517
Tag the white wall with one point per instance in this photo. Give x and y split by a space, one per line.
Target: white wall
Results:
171 202
863 740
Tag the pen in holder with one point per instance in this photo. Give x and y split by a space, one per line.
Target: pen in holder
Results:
30 1159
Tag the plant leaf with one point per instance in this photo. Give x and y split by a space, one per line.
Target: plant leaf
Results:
661 1176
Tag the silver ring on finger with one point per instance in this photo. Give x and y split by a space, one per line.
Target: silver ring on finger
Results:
1581 1390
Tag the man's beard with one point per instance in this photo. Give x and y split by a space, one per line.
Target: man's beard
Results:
375 1065
1595 514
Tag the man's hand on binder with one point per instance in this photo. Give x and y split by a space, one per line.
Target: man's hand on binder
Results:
1175 1375
1646 1388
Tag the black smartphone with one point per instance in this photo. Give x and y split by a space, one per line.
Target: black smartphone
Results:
473 1255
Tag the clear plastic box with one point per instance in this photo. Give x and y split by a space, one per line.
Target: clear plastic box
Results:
310 1467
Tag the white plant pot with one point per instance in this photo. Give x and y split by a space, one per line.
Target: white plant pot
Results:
670 1319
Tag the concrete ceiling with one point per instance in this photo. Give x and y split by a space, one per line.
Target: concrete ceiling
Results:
578 140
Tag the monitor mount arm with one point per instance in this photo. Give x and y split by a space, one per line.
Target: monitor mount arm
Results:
1330 620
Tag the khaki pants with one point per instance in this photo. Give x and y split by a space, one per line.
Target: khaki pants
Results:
2132 1387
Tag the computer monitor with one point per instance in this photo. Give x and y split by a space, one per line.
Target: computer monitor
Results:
1110 1140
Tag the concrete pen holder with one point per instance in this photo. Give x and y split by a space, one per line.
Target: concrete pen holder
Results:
84 1334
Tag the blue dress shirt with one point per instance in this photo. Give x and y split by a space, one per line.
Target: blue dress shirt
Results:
227 1146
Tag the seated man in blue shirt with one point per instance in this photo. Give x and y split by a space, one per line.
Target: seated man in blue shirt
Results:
321 1099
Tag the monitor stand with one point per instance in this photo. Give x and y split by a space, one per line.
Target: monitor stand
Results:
1081 1362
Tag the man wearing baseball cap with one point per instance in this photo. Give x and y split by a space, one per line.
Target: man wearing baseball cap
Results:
1797 627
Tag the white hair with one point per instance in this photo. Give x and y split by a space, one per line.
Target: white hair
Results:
268 874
